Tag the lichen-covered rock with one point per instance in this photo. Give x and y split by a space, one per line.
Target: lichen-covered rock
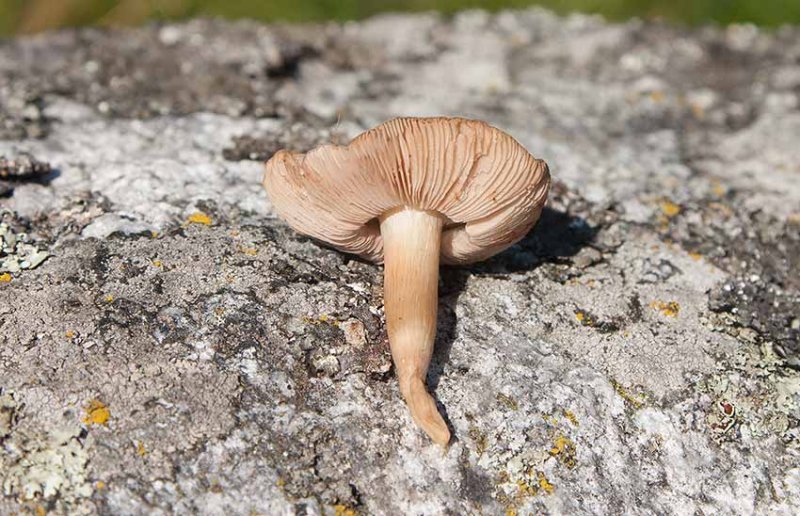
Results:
182 351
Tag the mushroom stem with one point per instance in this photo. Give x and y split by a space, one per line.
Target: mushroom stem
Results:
411 241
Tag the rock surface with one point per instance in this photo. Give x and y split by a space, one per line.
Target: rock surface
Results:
182 351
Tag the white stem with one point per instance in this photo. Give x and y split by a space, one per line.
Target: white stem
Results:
411 241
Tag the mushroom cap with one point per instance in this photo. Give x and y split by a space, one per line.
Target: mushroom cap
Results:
487 187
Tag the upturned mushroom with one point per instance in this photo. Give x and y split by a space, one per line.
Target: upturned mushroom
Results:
410 193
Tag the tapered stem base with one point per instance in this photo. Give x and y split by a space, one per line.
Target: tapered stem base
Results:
411 241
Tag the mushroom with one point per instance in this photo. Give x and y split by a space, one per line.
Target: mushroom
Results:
410 193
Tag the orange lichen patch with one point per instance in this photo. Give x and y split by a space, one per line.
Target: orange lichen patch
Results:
511 511
584 318
526 488
141 451
668 308
5 277
322 319
545 484
571 417
625 395
657 96
564 450
550 419
717 188
40 511
533 483
669 208
97 413
343 510
99 485
559 445
199 217
249 251
69 334
695 256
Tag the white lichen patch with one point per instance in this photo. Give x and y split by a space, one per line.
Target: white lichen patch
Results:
49 465
248 365
17 251
752 402
42 466
203 350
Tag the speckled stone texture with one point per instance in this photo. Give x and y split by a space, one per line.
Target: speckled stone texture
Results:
181 351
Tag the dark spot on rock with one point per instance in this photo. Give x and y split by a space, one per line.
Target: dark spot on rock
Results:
635 310
722 298
763 259
157 284
100 261
476 485
289 274
292 54
587 318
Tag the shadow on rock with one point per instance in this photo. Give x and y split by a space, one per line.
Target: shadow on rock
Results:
557 237
9 177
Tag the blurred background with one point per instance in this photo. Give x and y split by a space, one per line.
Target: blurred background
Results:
27 16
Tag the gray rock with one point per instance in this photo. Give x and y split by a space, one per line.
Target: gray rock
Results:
110 223
182 351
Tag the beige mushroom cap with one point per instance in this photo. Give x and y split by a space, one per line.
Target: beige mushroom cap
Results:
487 187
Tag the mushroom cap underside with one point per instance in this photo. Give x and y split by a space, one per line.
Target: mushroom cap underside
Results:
487 187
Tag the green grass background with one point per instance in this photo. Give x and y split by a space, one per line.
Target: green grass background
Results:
17 16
